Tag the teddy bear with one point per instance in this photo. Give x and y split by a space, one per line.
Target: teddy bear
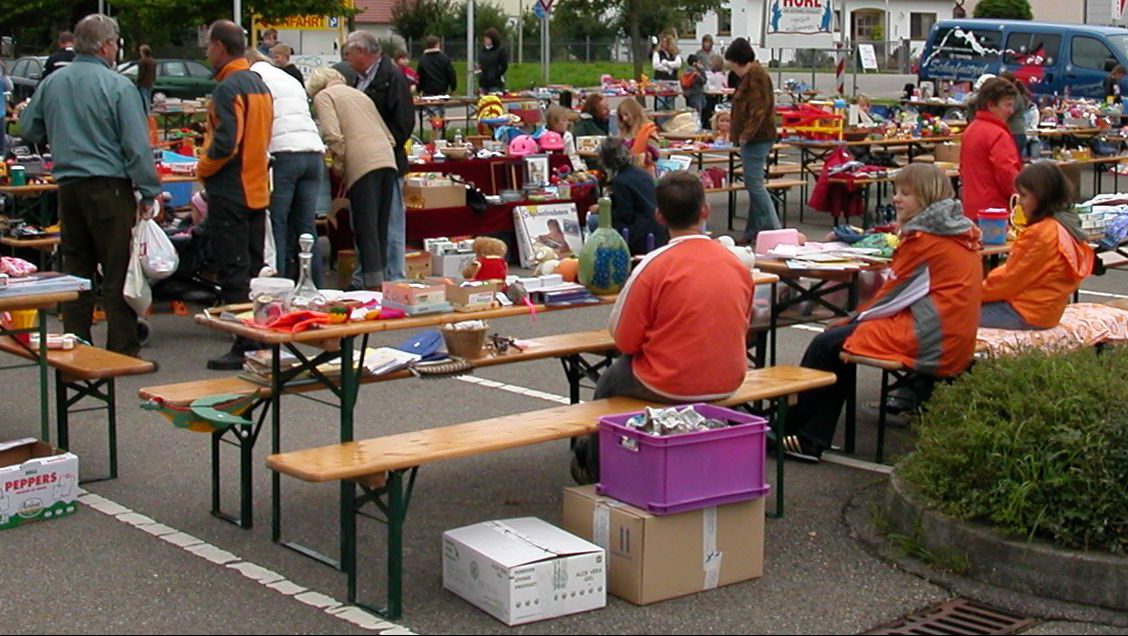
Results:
489 260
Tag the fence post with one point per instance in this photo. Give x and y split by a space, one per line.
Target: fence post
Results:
855 57
814 62
840 70
587 49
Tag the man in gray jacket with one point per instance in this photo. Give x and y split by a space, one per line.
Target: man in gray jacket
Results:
102 154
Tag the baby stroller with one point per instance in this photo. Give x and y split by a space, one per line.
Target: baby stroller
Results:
191 280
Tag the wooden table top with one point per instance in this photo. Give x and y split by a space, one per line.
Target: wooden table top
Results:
36 301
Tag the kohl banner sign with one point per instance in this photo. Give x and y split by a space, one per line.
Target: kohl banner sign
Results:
799 23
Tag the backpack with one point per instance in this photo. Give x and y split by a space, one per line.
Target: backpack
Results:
687 79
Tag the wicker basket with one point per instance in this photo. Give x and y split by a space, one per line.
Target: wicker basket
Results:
465 343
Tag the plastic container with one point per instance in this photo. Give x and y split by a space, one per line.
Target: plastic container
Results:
271 298
669 474
993 225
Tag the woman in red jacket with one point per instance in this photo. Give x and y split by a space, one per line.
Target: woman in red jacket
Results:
924 318
989 159
1049 259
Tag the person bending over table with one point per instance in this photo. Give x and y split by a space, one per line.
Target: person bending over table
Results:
680 321
1048 261
633 198
989 159
362 149
925 317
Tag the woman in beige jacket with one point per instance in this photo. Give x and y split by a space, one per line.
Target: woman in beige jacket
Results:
360 148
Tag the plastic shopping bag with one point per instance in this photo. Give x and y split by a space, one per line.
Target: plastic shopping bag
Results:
154 250
136 291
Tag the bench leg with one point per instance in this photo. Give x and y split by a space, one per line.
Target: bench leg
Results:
851 380
398 496
68 394
244 437
885 389
779 421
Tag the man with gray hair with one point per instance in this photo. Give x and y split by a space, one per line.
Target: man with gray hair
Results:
102 154
380 79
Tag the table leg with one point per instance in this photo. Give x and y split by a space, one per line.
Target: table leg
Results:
44 417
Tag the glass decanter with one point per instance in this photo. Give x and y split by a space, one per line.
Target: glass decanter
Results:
306 294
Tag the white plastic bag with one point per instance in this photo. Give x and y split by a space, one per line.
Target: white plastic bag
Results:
157 256
136 290
269 252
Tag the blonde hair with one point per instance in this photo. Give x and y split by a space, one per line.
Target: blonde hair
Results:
255 56
282 47
323 78
630 109
557 114
717 118
927 182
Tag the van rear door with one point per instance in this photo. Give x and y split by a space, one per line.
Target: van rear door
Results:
1035 58
1090 60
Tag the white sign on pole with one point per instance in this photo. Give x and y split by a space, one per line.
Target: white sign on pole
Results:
799 23
869 57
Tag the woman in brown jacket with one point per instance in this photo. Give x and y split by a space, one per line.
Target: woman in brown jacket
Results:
360 147
753 128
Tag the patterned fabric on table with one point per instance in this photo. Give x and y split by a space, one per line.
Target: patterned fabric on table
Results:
1082 325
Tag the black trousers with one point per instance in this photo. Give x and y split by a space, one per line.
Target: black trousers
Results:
815 417
97 216
370 203
237 234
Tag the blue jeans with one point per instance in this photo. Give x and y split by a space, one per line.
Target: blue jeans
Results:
1000 315
146 98
761 211
293 208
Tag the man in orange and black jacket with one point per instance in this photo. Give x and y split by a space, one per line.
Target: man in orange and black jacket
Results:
234 170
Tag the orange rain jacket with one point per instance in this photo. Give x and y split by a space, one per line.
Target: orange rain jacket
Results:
237 146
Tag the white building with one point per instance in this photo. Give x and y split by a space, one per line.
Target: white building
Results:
886 20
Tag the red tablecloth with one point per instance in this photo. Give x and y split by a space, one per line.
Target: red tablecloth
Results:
491 176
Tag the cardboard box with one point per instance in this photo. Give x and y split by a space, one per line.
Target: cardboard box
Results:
451 263
948 152
653 558
471 295
417 265
414 292
523 570
436 196
37 482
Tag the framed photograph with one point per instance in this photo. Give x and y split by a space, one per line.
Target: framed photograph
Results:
589 143
536 170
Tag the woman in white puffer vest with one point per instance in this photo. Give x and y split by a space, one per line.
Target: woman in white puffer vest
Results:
298 166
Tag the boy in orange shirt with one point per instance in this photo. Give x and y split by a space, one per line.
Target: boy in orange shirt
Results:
680 322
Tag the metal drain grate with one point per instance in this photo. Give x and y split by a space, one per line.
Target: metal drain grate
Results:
957 616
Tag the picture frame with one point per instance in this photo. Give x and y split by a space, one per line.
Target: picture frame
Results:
536 170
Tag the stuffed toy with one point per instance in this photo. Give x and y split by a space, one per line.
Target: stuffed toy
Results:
489 262
743 253
545 260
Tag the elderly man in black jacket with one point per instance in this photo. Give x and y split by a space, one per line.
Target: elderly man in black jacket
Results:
379 78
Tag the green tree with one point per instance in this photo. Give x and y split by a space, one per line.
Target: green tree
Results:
639 19
1004 10
487 15
416 19
575 20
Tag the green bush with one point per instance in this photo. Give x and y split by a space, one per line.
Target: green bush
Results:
1036 445
1004 10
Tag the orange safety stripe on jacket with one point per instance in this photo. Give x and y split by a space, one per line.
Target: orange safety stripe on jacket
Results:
936 335
236 156
1043 269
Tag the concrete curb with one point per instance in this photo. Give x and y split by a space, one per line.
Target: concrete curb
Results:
1034 568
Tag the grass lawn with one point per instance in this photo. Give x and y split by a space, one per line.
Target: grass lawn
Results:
522 76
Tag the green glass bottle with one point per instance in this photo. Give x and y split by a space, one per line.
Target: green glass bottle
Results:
605 260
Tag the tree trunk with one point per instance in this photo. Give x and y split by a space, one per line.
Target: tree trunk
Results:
638 51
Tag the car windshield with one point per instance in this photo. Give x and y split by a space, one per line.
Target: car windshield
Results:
1120 43
130 71
195 69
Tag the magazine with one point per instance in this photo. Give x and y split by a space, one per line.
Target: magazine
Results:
556 226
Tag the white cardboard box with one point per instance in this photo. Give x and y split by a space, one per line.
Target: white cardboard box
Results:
37 482
524 570
451 263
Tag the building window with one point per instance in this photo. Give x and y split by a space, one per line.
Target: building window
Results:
867 24
724 21
920 24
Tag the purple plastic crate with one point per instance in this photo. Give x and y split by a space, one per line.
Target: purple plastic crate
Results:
668 474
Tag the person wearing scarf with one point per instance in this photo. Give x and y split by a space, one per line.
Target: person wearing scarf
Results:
925 316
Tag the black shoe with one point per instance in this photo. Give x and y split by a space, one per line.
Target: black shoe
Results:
230 361
795 448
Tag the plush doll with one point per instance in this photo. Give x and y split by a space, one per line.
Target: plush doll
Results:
489 262
545 260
